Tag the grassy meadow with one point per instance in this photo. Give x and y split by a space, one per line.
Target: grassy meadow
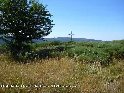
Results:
65 67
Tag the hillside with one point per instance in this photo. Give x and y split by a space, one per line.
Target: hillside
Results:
66 39
65 67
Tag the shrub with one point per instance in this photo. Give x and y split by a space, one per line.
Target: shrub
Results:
55 43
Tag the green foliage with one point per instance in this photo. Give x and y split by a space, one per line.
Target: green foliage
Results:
55 43
40 45
21 21
3 49
88 52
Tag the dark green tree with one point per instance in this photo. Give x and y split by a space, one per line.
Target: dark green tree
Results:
21 21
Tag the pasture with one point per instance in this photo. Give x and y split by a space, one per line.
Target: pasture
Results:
65 67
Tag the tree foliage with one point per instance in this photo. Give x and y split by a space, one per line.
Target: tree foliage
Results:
21 21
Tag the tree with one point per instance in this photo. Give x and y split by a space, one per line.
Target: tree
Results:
21 21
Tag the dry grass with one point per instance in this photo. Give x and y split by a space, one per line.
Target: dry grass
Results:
73 77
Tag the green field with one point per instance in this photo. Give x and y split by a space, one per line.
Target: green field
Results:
65 67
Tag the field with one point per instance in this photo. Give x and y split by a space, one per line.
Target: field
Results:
65 67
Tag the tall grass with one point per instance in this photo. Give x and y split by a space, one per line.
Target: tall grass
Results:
60 76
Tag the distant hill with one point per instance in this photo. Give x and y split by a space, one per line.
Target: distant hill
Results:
66 39
62 39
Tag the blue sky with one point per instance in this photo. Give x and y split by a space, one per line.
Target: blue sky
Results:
93 19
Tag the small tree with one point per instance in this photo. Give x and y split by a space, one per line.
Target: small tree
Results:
21 21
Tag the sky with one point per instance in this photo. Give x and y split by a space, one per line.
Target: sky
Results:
91 19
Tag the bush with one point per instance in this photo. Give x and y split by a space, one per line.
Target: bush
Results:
55 43
90 55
